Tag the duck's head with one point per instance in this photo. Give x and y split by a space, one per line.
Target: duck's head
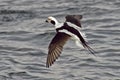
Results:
52 20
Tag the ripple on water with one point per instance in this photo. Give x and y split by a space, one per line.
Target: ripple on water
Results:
14 15
24 44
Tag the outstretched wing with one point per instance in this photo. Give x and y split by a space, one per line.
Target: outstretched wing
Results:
75 19
55 47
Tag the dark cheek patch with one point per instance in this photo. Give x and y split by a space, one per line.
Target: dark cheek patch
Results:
53 22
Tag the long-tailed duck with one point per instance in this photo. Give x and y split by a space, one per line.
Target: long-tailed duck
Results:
65 31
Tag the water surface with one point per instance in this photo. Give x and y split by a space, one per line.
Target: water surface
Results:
24 40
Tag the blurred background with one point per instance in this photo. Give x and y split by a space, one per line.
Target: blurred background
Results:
24 40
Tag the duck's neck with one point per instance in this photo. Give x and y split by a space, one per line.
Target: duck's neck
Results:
58 25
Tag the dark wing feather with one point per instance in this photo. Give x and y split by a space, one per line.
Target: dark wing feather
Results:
55 47
75 19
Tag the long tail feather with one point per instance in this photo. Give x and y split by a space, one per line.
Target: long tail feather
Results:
89 49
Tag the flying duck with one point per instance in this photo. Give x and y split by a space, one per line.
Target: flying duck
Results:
65 31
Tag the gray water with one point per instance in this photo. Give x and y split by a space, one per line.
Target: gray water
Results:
24 40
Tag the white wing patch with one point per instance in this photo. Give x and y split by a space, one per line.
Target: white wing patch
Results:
74 37
77 28
73 25
69 33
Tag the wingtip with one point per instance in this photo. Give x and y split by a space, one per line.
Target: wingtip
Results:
47 66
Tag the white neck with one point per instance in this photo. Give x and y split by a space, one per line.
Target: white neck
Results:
58 25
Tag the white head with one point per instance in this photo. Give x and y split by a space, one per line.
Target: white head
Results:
52 20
